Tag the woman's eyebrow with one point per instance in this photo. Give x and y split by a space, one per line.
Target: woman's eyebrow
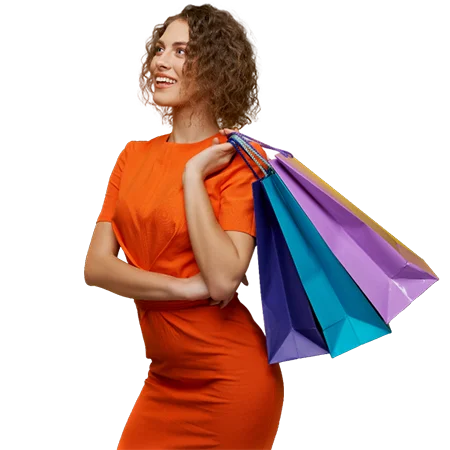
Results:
174 44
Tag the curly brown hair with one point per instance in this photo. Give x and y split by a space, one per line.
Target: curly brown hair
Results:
219 58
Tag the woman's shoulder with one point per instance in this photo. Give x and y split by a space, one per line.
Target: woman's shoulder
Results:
144 145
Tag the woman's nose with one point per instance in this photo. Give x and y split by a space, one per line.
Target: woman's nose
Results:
163 61
161 66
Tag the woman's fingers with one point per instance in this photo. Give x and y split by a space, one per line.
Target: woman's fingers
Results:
215 302
226 131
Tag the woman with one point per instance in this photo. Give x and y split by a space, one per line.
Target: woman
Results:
181 208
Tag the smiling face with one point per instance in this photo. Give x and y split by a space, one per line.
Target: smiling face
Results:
168 62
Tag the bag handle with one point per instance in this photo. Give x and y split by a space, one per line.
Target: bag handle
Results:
248 139
243 141
234 144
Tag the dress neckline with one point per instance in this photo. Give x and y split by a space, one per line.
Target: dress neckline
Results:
182 145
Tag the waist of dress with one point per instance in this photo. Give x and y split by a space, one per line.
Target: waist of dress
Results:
167 305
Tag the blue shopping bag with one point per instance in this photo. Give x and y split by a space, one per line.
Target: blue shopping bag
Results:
346 317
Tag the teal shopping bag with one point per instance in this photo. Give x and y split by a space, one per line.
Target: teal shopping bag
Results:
346 316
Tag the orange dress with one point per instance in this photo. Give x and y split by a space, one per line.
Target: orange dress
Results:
209 384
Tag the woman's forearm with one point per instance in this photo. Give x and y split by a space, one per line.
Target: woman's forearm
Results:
208 239
121 278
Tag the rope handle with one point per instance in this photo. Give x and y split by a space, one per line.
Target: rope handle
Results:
242 141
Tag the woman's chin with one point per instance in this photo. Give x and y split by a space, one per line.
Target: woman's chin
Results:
161 105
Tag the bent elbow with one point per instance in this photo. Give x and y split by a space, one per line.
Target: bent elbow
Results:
88 278
89 274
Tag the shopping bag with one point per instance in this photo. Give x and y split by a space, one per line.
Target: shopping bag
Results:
390 274
292 330
347 318
345 315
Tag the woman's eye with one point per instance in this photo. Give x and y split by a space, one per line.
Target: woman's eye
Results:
157 49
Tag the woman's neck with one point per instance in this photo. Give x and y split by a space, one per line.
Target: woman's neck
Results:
188 127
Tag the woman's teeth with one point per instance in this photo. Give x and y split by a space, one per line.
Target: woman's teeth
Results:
165 81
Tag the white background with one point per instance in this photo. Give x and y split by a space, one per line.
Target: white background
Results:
70 361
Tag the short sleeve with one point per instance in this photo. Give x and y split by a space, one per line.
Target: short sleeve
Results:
236 211
112 190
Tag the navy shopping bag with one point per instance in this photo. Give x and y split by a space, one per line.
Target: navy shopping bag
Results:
292 331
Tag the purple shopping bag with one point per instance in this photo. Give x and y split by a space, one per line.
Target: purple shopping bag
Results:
292 330
390 274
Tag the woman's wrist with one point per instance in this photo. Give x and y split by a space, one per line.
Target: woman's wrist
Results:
180 288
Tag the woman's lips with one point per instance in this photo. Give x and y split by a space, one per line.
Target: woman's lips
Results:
164 85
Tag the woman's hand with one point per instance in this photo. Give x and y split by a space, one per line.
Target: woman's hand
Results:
213 302
196 288
222 303
244 280
213 158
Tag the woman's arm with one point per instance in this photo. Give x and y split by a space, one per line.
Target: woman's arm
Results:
215 252
105 270
111 273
